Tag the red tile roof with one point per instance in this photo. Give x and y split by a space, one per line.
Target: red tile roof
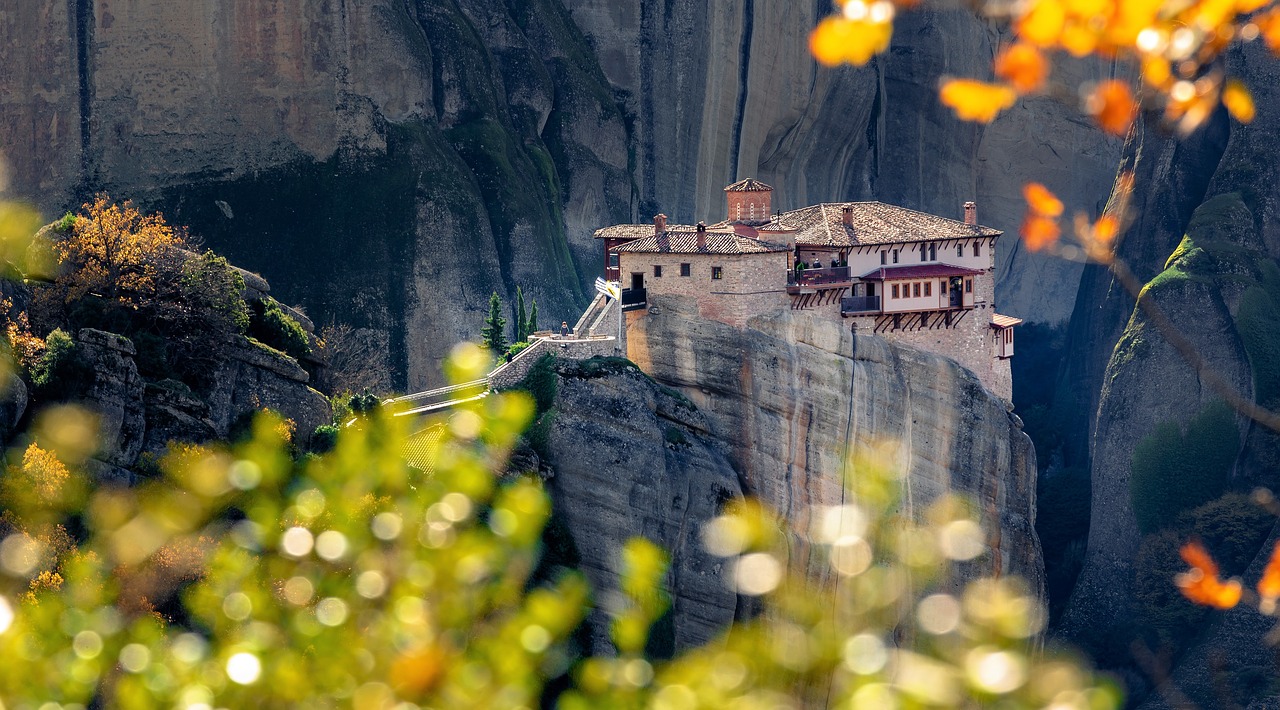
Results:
748 185
923 271
685 241
876 223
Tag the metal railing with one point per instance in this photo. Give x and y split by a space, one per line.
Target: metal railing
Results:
830 274
634 298
860 304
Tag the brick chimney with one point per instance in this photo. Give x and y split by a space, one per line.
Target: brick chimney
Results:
971 212
659 223
702 236
846 215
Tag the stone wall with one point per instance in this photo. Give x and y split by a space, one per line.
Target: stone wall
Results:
512 373
752 283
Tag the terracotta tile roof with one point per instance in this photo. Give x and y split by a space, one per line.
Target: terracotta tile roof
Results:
876 223
748 185
625 231
999 321
686 242
923 271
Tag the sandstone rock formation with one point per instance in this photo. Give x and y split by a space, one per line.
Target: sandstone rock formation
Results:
114 394
630 459
252 378
390 164
793 394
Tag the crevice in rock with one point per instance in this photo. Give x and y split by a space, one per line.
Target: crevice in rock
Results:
82 15
744 70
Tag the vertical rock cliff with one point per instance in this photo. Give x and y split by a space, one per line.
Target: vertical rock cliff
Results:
793 394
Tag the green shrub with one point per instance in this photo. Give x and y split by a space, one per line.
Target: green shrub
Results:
515 349
600 366
271 325
213 288
324 438
65 224
60 373
542 382
1165 617
1173 472
675 437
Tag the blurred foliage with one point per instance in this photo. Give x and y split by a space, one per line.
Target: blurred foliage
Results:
248 576
1175 471
60 371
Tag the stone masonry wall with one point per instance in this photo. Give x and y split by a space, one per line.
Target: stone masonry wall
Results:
752 284
513 372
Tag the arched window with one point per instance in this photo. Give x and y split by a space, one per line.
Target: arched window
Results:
738 215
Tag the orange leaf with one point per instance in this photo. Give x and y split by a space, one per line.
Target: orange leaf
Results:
1239 101
1043 202
1112 105
1269 585
1208 590
1042 24
976 100
1023 66
1039 231
1194 554
1269 27
1105 229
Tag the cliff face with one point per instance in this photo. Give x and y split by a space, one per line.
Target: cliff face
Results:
389 164
1205 240
793 394
629 459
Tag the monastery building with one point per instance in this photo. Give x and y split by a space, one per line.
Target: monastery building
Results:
912 278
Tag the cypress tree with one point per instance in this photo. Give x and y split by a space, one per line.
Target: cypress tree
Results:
532 327
494 325
522 322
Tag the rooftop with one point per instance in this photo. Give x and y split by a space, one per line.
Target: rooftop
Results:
923 271
748 185
876 223
685 241
999 321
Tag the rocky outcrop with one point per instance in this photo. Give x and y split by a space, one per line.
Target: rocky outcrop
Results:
792 395
13 404
134 416
629 458
253 377
114 393
175 414
389 164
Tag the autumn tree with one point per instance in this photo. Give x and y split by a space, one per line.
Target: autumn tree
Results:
116 251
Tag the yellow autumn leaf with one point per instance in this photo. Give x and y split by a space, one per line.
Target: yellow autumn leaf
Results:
976 100
838 40
1042 24
1239 102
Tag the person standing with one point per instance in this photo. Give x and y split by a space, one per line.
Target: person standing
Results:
564 329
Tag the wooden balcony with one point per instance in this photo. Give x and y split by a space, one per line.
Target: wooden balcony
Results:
635 299
798 281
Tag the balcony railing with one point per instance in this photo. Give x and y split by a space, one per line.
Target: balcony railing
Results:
634 299
829 275
860 304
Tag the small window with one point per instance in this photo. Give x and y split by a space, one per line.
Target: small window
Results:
928 287
613 260
977 248
933 252
895 290
717 272
895 256
915 289
942 287
968 285
657 270
884 258
924 253
960 250
684 269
